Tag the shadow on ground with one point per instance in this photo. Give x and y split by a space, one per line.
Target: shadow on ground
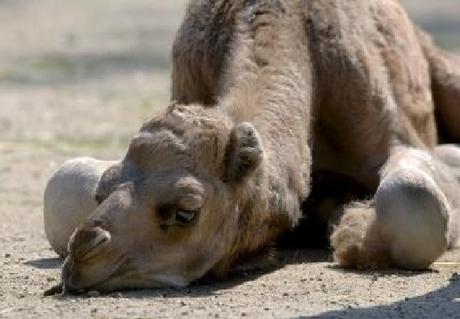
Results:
45 263
210 285
443 303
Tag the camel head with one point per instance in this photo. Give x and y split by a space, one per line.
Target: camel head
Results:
169 211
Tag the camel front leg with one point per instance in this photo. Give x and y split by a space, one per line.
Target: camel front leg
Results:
449 154
411 221
70 197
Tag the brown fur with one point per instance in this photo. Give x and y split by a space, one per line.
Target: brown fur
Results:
445 73
358 240
265 92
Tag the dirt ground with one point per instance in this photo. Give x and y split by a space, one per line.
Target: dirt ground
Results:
79 78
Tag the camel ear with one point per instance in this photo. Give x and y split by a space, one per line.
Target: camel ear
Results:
108 182
244 153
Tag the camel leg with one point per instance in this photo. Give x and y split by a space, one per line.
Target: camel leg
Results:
70 198
445 77
449 154
412 219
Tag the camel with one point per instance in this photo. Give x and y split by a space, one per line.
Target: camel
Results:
268 96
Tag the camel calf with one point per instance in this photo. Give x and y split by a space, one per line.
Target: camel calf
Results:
266 94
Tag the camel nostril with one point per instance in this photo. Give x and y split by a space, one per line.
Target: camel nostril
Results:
87 242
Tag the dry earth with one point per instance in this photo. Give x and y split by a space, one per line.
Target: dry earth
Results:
78 78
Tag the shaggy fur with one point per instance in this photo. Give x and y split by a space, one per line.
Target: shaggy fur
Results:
267 92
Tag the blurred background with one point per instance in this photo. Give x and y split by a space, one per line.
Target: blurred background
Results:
83 75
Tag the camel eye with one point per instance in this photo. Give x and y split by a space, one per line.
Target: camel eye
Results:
186 217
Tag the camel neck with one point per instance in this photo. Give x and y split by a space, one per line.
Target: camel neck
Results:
269 85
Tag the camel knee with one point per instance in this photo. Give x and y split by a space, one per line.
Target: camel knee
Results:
413 217
70 198
449 154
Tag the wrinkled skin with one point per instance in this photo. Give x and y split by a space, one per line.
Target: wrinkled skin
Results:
266 93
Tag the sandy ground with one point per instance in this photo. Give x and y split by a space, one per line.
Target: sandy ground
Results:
78 78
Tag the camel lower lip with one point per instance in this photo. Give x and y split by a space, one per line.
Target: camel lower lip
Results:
60 289
55 290
76 289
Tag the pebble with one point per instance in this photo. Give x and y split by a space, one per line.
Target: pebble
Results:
7 255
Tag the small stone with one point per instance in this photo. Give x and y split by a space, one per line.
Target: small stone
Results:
94 293
7 255
49 279
285 294
244 314
94 310
182 303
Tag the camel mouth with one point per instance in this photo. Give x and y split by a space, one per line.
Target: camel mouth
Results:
73 284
